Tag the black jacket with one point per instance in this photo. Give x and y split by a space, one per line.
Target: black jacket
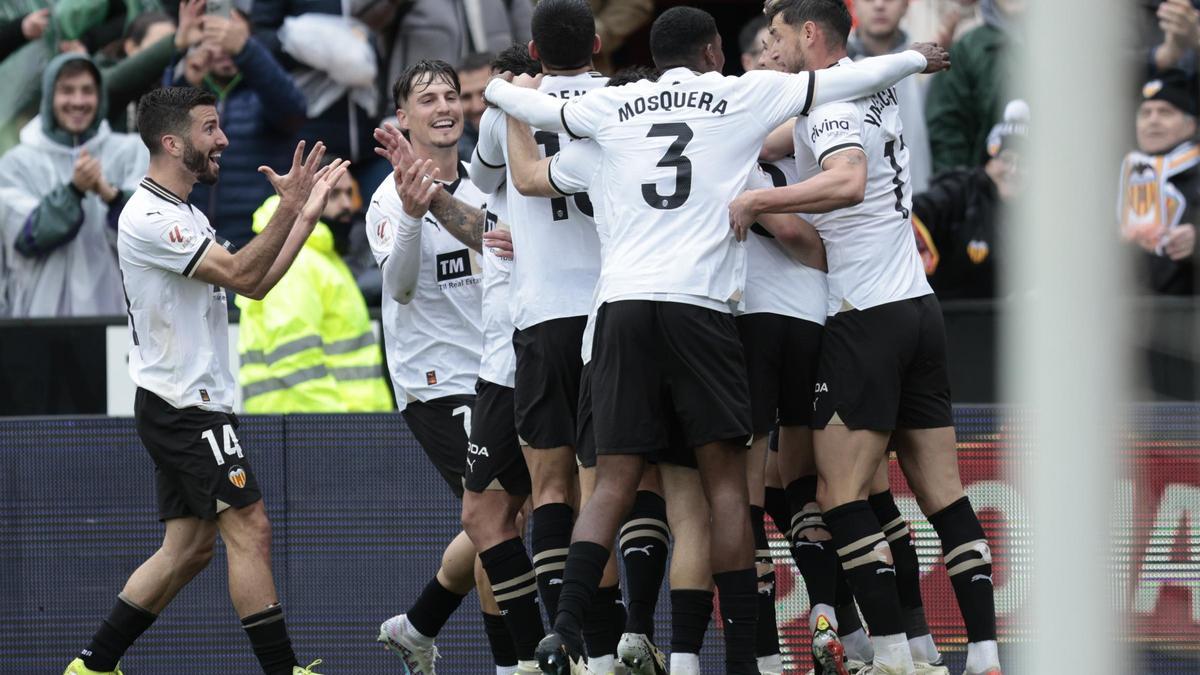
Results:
959 218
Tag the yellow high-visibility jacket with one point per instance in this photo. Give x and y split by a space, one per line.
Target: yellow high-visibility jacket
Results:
308 346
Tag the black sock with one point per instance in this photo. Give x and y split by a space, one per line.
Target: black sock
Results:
511 574
969 564
816 560
551 536
866 565
604 622
737 594
433 608
504 652
691 610
644 540
581 580
775 503
125 623
846 610
269 639
766 641
904 557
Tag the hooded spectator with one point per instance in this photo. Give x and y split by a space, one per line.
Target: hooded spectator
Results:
1160 195
61 190
965 101
959 219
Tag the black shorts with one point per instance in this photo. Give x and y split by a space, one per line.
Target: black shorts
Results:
494 459
200 466
658 361
884 368
781 361
676 451
440 426
548 372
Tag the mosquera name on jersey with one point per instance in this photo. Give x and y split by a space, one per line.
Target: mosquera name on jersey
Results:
554 239
433 343
179 325
869 247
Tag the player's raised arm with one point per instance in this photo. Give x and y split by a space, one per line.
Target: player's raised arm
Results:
530 173
530 106
245 270
862 78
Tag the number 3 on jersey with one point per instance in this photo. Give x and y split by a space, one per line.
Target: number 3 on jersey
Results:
229 441
673 158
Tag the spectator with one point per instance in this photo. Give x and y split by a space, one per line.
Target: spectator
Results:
879 33
61 190
450 29
342 116
473 76
958 219
150 45
309 345
616 20
16 33
1160 198
1171 29
752 40
965 101
261 111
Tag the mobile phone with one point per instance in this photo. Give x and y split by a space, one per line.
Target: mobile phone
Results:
219 8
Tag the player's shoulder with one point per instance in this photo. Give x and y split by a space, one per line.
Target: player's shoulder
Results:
467 191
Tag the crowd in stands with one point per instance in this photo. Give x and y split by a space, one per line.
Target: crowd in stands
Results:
321 69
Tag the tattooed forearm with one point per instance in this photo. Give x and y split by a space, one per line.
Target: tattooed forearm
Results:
464 223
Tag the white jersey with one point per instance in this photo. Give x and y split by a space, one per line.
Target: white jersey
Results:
576 170
499 362
775 282
554 240
179 325
676 152
434 342
870 248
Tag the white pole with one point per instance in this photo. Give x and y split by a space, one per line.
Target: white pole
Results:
1065 353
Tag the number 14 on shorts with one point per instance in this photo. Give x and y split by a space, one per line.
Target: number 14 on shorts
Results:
229 442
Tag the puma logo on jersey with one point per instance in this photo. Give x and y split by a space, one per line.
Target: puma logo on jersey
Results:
802 543
885 570
640 549
981 577
557 581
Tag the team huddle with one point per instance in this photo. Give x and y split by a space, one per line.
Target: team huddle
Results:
654 309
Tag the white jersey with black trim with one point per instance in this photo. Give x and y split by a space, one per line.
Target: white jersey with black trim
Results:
499 362
576 170
434 343
775 282
676 152
870 248
179 325
554 240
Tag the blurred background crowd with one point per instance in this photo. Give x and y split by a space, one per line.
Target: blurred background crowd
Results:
282 70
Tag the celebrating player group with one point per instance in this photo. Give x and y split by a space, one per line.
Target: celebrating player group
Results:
651 310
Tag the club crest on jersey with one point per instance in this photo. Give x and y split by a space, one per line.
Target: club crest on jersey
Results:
977 251
237 476
179 236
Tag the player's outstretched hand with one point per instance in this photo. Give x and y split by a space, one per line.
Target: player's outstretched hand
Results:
936 58
741 215
394 147
417 186
294 186
528 81
323 183
499 242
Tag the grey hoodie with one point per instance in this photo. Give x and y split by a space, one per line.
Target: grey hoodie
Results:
60 245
